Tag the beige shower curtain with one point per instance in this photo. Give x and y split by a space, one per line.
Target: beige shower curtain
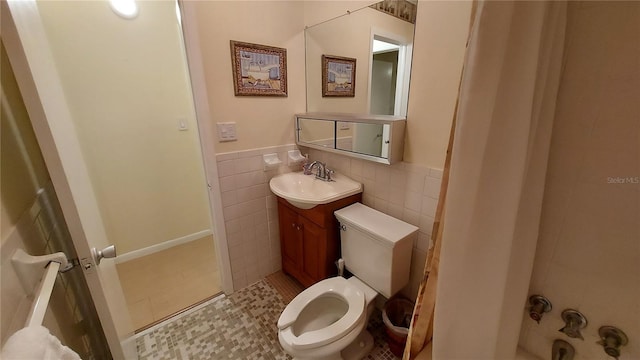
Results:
496 182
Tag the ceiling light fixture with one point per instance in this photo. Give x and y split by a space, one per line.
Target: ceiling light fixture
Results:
127 9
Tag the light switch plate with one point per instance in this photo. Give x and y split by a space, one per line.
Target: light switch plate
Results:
227 131
182 124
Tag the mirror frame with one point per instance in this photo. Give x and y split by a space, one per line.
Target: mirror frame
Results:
397 125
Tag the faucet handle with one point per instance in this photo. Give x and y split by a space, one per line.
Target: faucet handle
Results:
574 321
539 306
328 173
612 339
306 165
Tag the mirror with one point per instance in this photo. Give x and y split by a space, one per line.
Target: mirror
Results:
376 138
317 132
380 38
363 138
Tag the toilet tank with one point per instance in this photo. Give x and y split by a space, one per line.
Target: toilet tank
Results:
376 247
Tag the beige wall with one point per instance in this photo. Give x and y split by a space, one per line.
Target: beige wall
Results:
440 41
261 121
126 86
441 34
588 255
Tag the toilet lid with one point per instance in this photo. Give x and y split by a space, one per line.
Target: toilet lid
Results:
311 339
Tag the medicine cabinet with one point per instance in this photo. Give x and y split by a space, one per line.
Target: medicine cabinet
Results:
378 138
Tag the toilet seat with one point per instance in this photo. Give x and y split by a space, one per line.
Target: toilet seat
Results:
337 286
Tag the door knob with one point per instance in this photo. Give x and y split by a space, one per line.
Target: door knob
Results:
108 252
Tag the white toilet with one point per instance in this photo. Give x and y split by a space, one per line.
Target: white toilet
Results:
329 319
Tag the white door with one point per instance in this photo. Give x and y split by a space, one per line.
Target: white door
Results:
31 59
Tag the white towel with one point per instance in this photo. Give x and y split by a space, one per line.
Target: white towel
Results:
35 342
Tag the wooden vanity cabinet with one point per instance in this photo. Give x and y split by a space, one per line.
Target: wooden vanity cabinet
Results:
310 239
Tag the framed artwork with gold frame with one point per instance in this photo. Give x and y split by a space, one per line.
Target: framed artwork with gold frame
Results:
258 70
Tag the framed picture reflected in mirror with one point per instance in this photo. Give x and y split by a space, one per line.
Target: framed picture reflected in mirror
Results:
338 76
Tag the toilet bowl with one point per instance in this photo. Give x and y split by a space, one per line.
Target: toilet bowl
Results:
326 318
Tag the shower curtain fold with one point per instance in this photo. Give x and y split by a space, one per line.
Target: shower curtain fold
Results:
498 166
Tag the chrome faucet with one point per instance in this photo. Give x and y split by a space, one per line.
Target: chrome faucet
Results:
321 168
322 172
306 167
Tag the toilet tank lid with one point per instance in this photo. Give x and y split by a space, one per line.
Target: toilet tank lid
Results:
374 222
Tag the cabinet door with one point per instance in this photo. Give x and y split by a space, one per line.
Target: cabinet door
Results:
314 251
290 240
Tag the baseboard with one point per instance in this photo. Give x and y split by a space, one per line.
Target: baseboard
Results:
162 246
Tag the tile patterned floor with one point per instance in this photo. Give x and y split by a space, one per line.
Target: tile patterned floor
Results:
239 326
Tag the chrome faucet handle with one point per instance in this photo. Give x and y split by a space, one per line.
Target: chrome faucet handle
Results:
328 173
305 161
612 339
574 321
539 306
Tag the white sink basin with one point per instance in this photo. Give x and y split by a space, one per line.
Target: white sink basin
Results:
305 191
